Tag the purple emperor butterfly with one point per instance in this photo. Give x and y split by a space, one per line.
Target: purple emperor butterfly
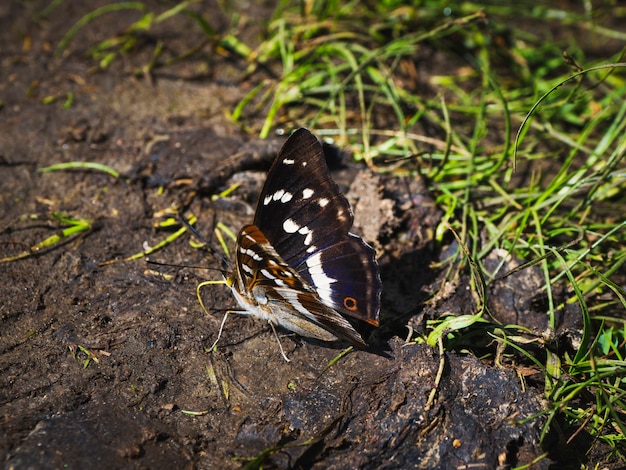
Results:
298 266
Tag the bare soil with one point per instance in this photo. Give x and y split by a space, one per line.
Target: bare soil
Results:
101 363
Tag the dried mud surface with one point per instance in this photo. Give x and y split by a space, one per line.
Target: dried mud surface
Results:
171 141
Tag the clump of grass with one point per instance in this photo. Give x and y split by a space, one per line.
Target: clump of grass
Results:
67 228
108 50
345 67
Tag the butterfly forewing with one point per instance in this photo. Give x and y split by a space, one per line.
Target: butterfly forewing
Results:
301 208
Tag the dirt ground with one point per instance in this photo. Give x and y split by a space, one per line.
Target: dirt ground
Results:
106 365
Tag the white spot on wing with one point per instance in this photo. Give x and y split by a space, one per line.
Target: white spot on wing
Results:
309 235
307 193
280 195
288 161
290 226
323 202
320 280
251 253
267 274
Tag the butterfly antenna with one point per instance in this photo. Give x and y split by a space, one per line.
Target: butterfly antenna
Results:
174 265
199 236
219 333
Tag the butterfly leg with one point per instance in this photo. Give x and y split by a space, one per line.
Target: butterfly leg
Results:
282 351
219 333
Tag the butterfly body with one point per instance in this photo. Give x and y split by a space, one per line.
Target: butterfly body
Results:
298 266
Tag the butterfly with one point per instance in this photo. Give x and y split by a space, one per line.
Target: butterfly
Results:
298 266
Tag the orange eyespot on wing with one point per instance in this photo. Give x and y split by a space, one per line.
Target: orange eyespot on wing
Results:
350 303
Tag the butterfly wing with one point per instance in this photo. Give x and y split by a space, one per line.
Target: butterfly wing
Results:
267 287
307 220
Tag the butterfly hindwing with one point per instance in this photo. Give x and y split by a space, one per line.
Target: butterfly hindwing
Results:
293 303
344 280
